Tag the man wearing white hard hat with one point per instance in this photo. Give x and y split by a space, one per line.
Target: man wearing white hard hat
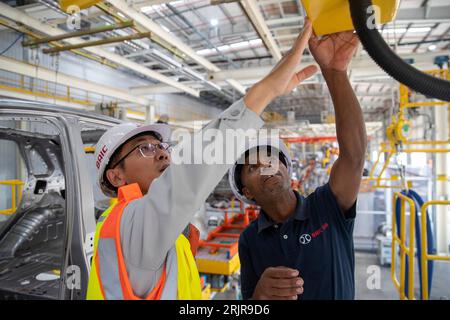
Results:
302 248
141 251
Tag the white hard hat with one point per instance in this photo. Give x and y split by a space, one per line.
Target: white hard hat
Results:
234 175
112 139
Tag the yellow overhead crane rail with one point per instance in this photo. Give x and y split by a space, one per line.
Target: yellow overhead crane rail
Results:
398 135
33 35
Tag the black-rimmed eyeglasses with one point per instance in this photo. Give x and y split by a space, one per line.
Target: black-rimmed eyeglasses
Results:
147 150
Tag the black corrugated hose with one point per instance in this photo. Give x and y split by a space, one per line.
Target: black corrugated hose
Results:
388 60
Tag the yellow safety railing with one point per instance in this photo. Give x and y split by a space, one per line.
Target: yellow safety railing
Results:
397 137
405 103
390 153
40 89
405 250
425 256
405 91
379 178
16 195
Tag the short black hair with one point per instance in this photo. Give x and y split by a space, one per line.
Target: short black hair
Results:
116 155
239 167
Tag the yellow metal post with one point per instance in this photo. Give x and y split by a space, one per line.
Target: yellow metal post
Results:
13 198
393 245
425 257
385 165
412 229
404 249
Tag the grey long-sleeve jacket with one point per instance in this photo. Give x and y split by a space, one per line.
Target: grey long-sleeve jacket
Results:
150 225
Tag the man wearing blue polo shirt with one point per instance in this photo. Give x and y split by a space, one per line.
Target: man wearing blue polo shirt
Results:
302 248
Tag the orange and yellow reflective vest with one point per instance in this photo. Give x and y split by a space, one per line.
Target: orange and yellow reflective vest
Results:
109 278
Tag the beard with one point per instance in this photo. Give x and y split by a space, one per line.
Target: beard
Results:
275 185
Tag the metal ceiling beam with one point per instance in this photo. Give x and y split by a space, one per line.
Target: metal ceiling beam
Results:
146 3
20 17
251 7
35 35
100 42
25 96
151 26
362 67
186 22
78 33
163 89
41 73
424 14
154 89
287 20
429 14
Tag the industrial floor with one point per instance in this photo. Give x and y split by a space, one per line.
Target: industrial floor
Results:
386 290
440 286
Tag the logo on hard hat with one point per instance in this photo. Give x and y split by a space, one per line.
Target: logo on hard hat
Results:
101 155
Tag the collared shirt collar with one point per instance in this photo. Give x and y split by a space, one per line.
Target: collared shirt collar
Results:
264 221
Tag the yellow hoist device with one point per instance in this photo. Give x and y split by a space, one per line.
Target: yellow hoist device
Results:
82 4
331 16
399 130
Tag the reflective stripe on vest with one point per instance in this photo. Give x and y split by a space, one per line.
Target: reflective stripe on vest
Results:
109 277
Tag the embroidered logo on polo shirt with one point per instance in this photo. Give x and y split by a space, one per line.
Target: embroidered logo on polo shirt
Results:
306 238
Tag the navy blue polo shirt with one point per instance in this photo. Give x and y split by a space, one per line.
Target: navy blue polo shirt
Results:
316 240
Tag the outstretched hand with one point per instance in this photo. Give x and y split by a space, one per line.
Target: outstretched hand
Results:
283 78
335 51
